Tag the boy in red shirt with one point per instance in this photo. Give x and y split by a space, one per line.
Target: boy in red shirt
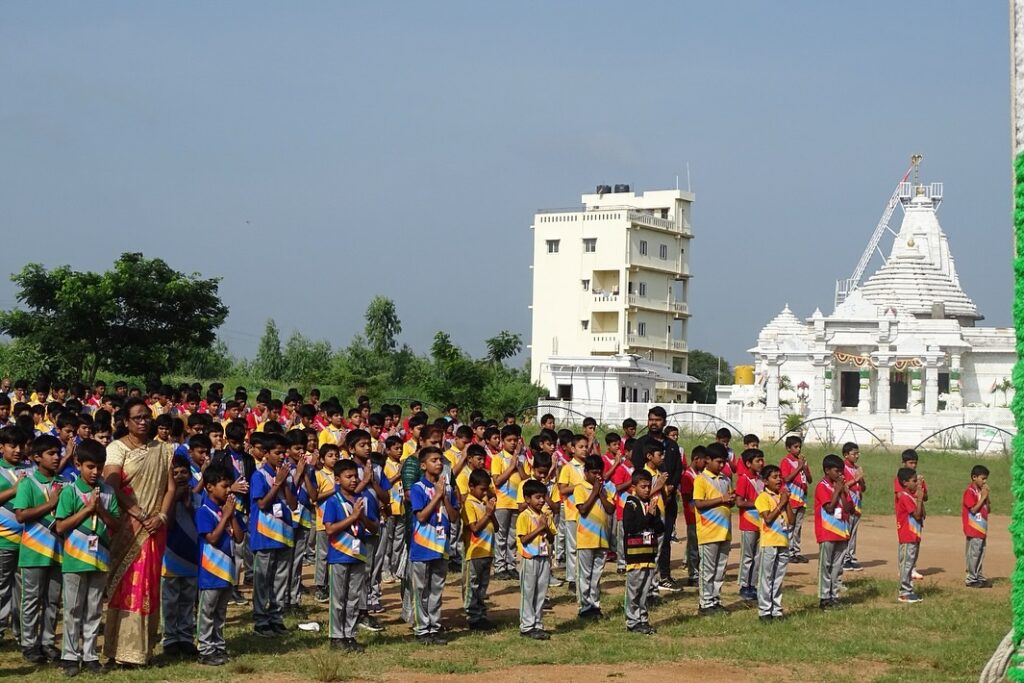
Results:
832 508
909 459
856 486
619 472
697 459
974 514
796 475
909 522
748 487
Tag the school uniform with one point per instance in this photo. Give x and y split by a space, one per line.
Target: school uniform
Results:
690 517
346 565
856 491
324 484
302 518
534 569
216 579
619 476
975 526
86 560
506 511
749 486
242 465
591 546
372 540
773 557
832 532
393 538
908 532
428 556
797 500
714 534
570 474
39 564
271 540
10 544
476 567
641 531
179 587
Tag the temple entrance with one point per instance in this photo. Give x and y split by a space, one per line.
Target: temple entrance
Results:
899 390
849 389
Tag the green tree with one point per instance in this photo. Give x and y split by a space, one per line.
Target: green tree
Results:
141 318
305 360
503 345
210 363
269 363
705 367
382 325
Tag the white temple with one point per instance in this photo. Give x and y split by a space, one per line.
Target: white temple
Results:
901 354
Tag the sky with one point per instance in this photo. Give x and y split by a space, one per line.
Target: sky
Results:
316 154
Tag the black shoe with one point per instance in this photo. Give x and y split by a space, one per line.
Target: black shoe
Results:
352 646
572 587
279 629
321 595
642 629
34 656
748 593
368 623
438 639
548 605
265 631
481 625
706 611
338 644
216 659
172 650
720 609
51 653
70 669
668 585
591 613
824 604
188 649
540 634
766 618
798 559
979 584
93 667
692 581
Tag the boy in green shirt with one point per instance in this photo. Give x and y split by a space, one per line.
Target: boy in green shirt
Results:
39 558
86 515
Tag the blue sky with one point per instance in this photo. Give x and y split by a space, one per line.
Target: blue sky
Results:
316 154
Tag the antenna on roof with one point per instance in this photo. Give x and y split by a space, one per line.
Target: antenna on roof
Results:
688 177
915 161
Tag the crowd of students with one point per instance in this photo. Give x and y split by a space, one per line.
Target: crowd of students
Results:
370 499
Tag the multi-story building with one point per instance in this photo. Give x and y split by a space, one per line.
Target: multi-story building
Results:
610 287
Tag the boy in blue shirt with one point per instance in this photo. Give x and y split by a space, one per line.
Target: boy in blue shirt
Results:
302 514
433 504
180 571
270 534
374 486
219 530
346 523
86 515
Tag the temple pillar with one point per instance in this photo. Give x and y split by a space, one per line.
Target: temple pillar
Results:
864 392
914 404
931 387
882 388
818 397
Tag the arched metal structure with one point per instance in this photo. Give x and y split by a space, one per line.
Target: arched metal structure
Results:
833 431
970 437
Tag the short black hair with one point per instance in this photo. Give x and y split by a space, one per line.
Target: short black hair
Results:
43 443
723 433
541 459
831 461
593 462
909 455
200 441
214 474
479 478
905 474
90 450
751 438
474 450
641 475
979 471
768 470
532 487
355 436
716 451
850 446
344 464
793 440
748 455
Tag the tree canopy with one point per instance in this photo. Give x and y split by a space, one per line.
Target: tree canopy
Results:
139 318
705 367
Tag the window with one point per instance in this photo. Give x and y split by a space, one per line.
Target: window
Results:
663 252
643 289
629 327
643 247
586 285
641 329
585 324
553 246
590 245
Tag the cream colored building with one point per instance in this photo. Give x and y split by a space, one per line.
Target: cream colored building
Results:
611 280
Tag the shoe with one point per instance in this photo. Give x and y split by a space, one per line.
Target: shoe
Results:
642 629
765 618
824 604
265 631
351 645
34 656
571 586
910 598
620 570
172 650
70 669
279 629
93 667
481 625
376 609
916 575
591 613
798 559
368 623
51 653
853 567
425 639
215 659
548 605
668 585
188 649
556 582
719 609
389 579
984 583
338 644
237 599
321 595
692 581
706 611
540 634
610 557
438 639
748 593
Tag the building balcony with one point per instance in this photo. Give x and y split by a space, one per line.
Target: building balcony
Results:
678 309
604 342
669 266
644 342
607 301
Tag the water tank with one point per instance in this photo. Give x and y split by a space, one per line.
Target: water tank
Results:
743 374
621 188
604 189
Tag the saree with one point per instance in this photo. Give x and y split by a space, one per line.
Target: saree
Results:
133 584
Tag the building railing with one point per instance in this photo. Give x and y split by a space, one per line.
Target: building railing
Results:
652 221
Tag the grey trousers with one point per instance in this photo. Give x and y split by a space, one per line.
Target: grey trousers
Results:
298 553
476 577
270 585
178 596
10 594
455 547
748 559
367 596
376 573
83 611
713 558
692 552
395 555
975 554
830 569
620 545
406 587
570 550
534 576
310 549
320 560
348 589
40 600
505 540
851 545
907 557
589 564
638 590
243 558
213 611
427 586
773 562
560 526
794 536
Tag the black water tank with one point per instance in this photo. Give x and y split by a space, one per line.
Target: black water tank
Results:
604 189
621 188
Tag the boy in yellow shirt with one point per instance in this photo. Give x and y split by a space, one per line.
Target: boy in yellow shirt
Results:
478 532
568 477
323 476
552 499
334 432
535 532
594 505
777 519
394 527
507 471
476 459
713 498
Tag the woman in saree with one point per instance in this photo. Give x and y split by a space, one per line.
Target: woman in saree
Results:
138 468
